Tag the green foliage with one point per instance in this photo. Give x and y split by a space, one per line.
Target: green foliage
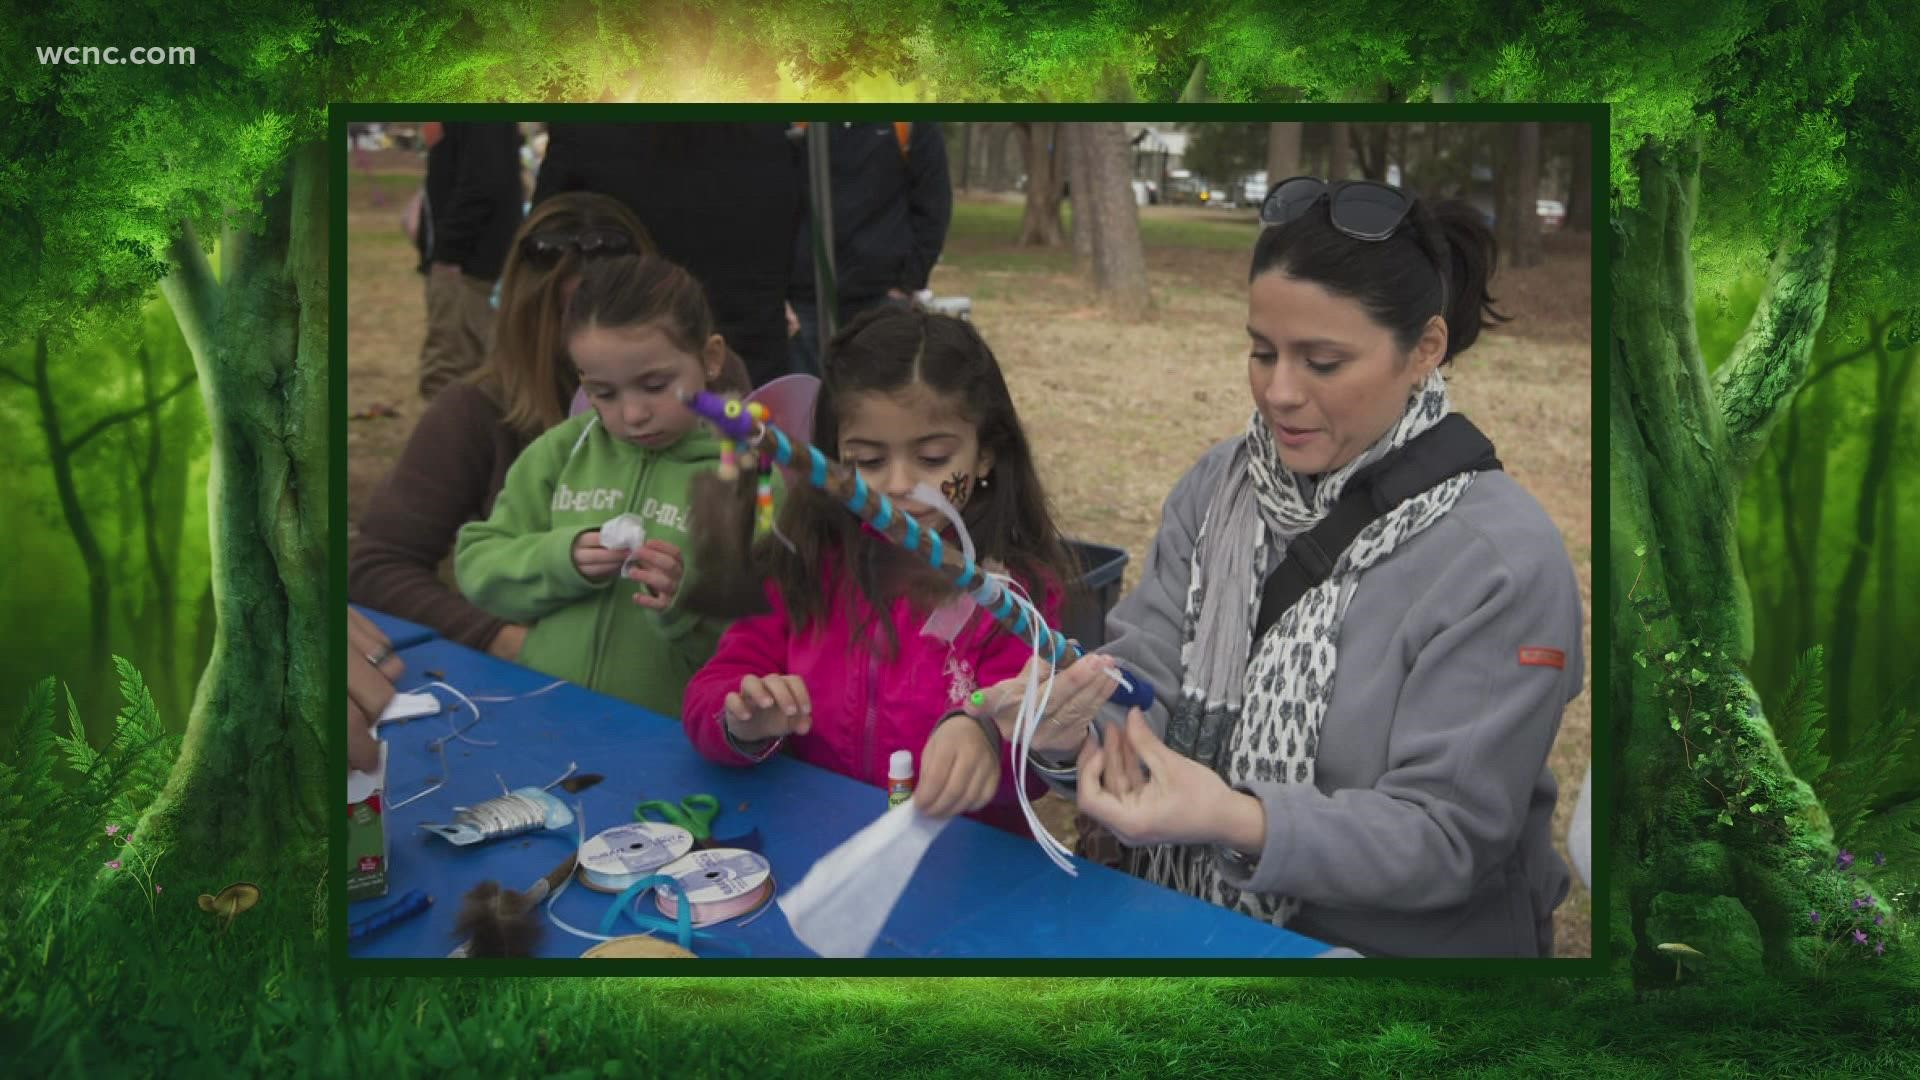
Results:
27 787
1860 788
49 823
1803 716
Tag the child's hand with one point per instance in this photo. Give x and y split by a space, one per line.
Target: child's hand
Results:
656 564
959 769
592 560
766 707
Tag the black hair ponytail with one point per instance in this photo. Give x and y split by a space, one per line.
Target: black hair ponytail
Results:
1471 257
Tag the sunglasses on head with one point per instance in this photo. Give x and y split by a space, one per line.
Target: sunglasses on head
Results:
1362 209
592 243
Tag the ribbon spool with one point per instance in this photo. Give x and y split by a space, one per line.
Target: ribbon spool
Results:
719 883
638 947
612 860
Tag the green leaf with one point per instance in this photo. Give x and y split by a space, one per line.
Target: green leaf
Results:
1672 658
1639 551
1673 721
1757 808
1696 675
1723 818
1640 658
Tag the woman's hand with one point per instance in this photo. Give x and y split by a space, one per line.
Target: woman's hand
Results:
371 669
1078 693
1147 794
593 560
657 565
959 769
766 707
371 644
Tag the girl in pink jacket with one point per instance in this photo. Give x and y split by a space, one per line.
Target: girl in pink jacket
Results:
867 650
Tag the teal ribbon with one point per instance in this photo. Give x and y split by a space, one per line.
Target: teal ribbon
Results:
628 904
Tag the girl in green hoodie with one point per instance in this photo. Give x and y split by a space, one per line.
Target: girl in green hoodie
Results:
604 611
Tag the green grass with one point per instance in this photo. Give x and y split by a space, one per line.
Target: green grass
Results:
88 985
986 223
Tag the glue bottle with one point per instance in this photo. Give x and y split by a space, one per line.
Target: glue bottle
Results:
899 778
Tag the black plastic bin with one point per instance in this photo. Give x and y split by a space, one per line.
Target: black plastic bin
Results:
1085 619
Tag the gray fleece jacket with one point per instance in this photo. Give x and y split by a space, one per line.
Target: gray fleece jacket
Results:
1426 830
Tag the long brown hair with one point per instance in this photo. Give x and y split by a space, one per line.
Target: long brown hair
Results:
526 370
883 351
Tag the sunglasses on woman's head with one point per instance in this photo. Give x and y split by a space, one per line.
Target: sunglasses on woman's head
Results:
1362 209
592 243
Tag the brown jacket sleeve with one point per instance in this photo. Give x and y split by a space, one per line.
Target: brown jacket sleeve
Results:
447 475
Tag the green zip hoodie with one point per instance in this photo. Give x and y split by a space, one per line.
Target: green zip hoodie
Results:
518 563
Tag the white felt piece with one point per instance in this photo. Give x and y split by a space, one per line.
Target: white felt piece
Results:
408 707
362 784
838 908
624 533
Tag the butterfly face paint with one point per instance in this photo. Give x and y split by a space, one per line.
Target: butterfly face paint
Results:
957 489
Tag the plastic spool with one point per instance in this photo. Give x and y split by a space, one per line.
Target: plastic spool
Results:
616 858
720 883
637 947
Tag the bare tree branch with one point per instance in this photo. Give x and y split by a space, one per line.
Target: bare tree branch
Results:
191 290
1834 364
16 376
124 415
1769 362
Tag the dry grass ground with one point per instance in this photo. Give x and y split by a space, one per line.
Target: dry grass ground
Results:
1116 411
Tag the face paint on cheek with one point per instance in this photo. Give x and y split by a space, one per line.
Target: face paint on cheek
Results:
957 489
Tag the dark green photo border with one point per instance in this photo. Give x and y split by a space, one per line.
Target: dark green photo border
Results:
1599 661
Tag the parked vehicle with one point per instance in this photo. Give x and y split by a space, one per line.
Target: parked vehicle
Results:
1553 214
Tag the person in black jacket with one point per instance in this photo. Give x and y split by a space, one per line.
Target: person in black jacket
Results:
473 203
891 207
720 200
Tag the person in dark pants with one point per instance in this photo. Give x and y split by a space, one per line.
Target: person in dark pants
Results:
472 207
892 202
720 200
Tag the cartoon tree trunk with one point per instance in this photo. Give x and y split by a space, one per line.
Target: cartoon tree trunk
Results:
62 451
252 767
1682 442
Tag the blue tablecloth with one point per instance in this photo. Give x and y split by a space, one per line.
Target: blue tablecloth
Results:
979 892
402 633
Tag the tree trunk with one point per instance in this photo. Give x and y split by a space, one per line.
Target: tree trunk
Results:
1283 152
1675 466
162 659
1373 151
1119 262
966 155
997 170
1339 151
1886 604
94 685
1080 204
1580 185
1519 215
251 776
1040 227
1890 385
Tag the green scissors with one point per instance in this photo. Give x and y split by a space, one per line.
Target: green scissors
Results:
695 813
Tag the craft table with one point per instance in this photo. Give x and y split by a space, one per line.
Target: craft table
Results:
979 891
400 632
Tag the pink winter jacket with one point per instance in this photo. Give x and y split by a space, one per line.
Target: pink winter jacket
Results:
864 708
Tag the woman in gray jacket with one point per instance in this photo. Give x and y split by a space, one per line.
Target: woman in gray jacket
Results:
1371 771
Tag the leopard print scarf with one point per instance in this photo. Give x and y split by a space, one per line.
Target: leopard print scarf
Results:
1250 710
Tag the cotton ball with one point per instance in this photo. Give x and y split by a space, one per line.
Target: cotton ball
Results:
624 533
